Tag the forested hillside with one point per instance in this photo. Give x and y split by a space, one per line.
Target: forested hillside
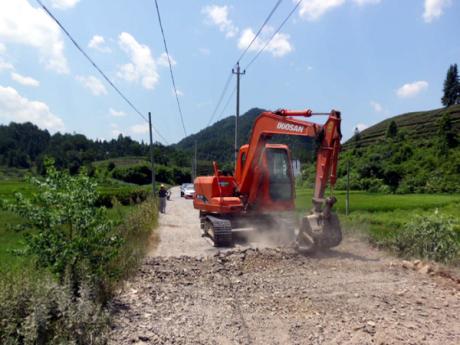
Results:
411 153
25 146
416 125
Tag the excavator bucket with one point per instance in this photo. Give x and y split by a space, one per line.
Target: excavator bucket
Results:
320 230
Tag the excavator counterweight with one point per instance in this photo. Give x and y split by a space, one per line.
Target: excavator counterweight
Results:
262 186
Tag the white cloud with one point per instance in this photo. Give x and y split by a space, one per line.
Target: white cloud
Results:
412 89
279 45
314 9
64 4
376 106
98 42
434 9
142 128
93 84
2 48
142 66
361 126
14 107
163 60
366 2
26 81
21 23
117 113
218 15
5 66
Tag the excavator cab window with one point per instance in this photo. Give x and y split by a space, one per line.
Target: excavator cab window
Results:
280 184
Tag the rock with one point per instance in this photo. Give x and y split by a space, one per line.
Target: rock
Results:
425 269
407 264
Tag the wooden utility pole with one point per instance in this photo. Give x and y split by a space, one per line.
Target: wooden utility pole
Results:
238 74
151 155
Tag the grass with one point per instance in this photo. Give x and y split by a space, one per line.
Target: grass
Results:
382 215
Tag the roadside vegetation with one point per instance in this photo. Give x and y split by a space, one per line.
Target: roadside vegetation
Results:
63 257
411 225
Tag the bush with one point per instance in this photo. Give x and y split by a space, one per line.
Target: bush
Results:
136 232
122 196
36 310
429 237
71 237
138 174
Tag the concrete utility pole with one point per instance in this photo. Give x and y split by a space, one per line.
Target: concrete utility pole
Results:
238 74
151 155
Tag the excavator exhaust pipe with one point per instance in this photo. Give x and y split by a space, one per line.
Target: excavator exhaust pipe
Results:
321 229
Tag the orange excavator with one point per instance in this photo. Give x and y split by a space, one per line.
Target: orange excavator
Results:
261 191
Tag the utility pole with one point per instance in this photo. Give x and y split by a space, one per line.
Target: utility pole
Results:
151 155
238 74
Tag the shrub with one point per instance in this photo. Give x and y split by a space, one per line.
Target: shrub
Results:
71 237
122 196
36 310
136 232
138 174
430 237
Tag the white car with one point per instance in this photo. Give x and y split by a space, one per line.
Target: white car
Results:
189 192
183 187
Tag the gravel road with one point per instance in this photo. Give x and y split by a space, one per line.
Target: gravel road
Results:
188 292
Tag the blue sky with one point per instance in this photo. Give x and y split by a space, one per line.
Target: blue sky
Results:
368 58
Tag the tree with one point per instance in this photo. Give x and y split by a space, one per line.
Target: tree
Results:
392 130
446 135
451 87
71 237
357 138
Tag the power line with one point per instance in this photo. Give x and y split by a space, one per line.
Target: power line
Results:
75 43
222 95
224 91
274 34
170 68
227 103
260 29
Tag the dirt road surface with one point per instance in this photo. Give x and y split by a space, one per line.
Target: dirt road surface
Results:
188 292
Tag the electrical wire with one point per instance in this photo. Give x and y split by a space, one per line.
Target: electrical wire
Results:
226 85
222 95
226 104
260 29
75 43
170 68
274 34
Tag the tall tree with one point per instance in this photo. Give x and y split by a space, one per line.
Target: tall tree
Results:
451 87
392 130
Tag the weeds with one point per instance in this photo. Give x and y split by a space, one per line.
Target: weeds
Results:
430 237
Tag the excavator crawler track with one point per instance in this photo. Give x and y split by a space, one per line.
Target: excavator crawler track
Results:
220 231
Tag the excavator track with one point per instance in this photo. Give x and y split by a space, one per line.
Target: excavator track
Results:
220 231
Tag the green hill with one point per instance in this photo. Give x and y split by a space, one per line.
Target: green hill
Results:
421 154
418 125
